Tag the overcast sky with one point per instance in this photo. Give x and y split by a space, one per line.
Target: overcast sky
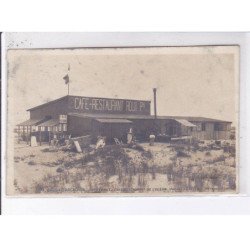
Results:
197 81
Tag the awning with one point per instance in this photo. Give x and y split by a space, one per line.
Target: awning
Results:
49 123
185 123
31 122
113 121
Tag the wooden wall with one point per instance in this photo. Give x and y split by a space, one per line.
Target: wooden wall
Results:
53 110
111 130
211 134
79 126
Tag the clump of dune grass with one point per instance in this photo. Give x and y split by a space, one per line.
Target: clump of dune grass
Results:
208 153
147 154
32 163
181 153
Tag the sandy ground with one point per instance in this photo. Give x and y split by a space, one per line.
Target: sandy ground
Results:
32 164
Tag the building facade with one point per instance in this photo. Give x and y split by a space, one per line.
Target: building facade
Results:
79 116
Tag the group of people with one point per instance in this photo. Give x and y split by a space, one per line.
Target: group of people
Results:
130 139
59 139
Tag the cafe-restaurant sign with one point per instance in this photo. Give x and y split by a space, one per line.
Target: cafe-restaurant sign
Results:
108 105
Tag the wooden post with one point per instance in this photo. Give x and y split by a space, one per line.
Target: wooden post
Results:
155 108
40 137
27 139
23 131
49 135
18 135
30 135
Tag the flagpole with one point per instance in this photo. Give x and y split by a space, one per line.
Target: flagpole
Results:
69 79
66 78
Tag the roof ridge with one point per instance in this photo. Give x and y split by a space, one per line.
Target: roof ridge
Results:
47 103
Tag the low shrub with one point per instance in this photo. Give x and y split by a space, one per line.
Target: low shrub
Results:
181 153
138 147
32 163
195 146
45 150
208 153
173 158
88 158
39 188
220 158
147 154
145 167
59 170
216 159
179 147
229 149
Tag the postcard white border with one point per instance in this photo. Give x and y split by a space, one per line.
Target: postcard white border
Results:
239 204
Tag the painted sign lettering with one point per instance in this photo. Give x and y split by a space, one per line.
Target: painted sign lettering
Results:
105 105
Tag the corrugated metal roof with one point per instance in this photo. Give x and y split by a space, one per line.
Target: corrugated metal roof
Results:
185 123
49 123
131 116
147 117
194 118
113 120
112 116
47 103
31 122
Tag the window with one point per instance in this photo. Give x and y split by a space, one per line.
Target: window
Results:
203 127
64 127
55 128
60 127
63 118
218 127
198 126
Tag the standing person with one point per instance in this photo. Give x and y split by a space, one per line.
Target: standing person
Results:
151 139
130 136
55 141
101 142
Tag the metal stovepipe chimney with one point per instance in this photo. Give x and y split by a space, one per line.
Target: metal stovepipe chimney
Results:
155 107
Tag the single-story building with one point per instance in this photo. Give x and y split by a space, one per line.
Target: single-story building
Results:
78 116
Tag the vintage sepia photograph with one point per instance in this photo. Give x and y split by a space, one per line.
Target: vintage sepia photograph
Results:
134 121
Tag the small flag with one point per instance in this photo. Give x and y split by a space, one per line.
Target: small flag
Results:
66 79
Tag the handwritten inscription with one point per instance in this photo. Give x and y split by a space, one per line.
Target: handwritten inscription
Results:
99 104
